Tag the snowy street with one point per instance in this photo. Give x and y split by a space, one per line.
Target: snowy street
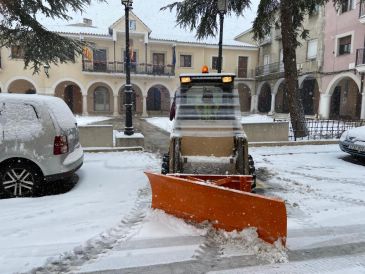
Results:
105 222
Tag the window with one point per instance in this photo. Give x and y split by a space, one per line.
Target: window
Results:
344 45
17 52
215 63
312 49
185 61
132 25
347 5
101 99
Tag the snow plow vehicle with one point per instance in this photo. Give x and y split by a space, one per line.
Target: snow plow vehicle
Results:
208 173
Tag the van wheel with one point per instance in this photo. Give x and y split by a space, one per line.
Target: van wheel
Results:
19 180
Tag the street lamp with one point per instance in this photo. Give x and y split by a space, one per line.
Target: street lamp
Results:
222 8
128 129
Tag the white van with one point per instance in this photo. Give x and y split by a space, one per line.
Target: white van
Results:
39 142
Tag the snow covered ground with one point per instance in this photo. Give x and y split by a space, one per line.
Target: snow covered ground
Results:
105 222
86 120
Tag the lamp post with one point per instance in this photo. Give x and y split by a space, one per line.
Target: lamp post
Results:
222 8
128 129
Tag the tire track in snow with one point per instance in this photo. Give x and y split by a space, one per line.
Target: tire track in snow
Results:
307 190
102 243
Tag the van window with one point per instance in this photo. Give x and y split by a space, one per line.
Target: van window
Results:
20 122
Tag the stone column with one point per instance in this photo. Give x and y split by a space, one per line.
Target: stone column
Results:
273 97
84 105
254 103
116 106
144 113
362 115
324 106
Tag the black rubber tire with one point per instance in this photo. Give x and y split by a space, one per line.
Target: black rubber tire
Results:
252 170
165 164
27 180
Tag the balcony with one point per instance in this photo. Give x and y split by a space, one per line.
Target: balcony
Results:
120 67
276 70
362 12
360 60
245 73
270 69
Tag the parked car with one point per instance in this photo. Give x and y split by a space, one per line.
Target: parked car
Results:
352 141
39 143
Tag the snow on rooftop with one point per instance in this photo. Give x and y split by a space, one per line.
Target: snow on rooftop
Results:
162 23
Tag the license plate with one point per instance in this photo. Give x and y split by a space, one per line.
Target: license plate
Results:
357 147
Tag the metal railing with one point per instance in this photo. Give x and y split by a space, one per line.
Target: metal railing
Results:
269 69
323 129
120 67
278 67
242 74
360 56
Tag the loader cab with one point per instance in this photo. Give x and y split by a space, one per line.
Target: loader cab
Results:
207 97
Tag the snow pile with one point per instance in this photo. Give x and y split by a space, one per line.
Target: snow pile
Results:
86 120
163 123
256 118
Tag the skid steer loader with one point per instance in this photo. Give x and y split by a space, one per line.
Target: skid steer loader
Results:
208 173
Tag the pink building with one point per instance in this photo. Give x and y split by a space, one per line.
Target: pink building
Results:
341 87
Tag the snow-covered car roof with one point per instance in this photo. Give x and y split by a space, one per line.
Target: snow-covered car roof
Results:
358 133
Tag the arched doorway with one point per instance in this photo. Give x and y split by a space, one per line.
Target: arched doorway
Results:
71 94
345 100
158 100
22 86
281 99
100 99
244 93
137 99
310 96
265 98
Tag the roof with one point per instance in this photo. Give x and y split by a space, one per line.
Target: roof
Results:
162 23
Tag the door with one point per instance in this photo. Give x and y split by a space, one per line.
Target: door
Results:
158 63
99 60
242 66
335 103
69 99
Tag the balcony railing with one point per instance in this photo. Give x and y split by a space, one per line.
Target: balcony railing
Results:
360 57
120 67
245 73
269 69
278 67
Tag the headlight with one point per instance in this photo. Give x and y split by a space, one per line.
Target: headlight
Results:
343 136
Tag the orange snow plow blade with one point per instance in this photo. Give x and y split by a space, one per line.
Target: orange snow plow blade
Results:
225 201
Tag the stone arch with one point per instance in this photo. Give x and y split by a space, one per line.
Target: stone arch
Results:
100 99
277 85
70 92
345 99
310 95
332 85
23 85
76 82
264 100
281 98
137 99
158 100
244 93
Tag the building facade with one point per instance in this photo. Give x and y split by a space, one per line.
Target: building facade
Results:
94 83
